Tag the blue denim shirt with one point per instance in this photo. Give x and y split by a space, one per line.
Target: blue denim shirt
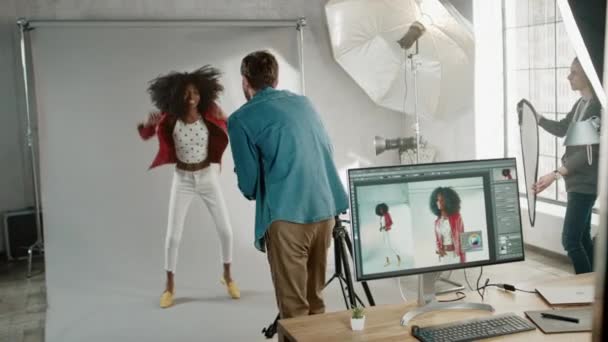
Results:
283 159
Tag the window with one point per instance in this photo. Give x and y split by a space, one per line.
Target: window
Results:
537 61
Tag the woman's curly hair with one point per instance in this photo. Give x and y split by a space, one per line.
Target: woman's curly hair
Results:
450 199
167 91
381 209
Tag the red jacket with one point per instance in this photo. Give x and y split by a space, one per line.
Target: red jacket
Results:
457 228
218 137
388 221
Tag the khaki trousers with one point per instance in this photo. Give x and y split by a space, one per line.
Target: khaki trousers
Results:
297 254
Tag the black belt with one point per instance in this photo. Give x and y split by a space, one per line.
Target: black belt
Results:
194 166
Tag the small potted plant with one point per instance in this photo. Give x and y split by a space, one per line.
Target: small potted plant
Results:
357 321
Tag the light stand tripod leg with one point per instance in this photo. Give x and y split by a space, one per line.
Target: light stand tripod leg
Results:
338 268
349 279
342 251
368 293
341 281
346 298
30 252
38 245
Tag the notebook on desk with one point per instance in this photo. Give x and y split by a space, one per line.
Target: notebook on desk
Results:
552 326
560 295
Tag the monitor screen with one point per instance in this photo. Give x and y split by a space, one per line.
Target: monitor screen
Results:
412 219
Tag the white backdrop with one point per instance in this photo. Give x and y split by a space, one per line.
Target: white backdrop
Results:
105 214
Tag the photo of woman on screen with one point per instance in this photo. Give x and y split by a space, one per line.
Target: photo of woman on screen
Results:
386 224
445 205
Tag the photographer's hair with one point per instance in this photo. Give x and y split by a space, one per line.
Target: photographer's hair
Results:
506 172
451 201
261 69
167 91
381 209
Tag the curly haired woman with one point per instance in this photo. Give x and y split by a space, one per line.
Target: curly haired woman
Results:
445 204
191 131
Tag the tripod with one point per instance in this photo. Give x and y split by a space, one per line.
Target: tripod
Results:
343 247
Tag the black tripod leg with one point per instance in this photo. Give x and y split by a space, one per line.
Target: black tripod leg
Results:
347 275
272 328
337 261
358 299
338 255
352 293
343 292
368 293
330 280
338 269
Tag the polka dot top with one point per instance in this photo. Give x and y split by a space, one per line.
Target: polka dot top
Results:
191 141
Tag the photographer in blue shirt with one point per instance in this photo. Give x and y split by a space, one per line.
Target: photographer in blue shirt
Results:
283 160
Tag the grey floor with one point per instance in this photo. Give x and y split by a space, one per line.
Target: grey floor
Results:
23 301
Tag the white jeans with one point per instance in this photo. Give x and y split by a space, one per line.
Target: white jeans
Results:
186 184
387 242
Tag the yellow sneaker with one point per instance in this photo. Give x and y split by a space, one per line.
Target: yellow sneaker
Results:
166 299
233 290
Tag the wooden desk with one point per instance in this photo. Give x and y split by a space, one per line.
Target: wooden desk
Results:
382 322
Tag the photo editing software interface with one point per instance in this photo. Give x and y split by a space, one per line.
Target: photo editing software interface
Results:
412 219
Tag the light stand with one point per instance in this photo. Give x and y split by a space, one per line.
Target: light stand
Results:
414 62
414 65
39 244
300 26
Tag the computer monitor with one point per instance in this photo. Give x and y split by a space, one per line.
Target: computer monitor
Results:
428 218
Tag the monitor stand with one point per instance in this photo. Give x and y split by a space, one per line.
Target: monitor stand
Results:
427 301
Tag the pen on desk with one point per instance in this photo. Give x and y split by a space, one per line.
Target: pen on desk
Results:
558 317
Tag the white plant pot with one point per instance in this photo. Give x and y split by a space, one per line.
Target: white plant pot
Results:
357 324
